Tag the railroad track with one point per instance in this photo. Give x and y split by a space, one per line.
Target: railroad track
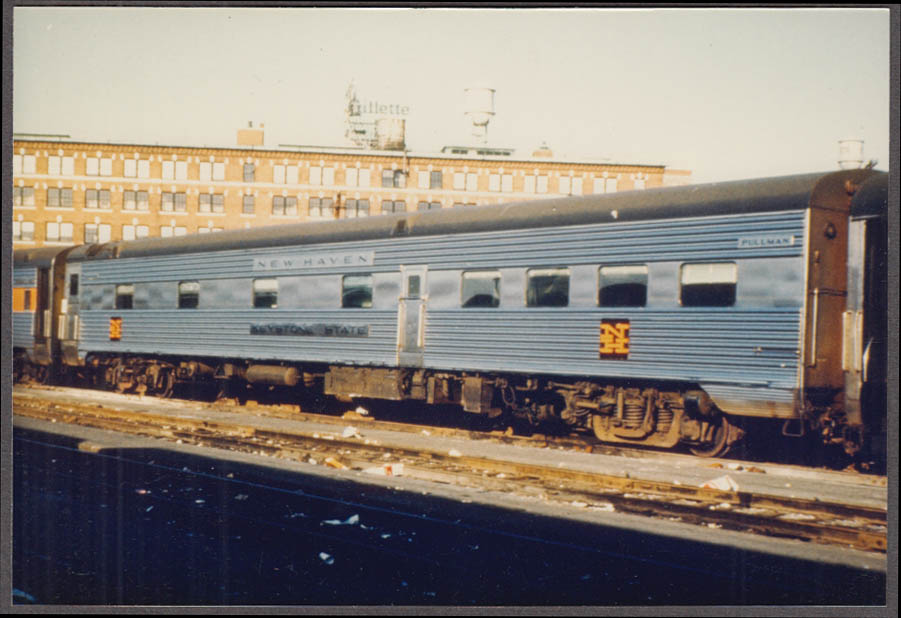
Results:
860 527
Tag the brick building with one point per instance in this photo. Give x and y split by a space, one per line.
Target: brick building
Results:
67 191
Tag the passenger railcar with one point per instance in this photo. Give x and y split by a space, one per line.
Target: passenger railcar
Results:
657 317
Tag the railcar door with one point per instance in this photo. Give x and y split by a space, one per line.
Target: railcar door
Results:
69 318
411 316
42 318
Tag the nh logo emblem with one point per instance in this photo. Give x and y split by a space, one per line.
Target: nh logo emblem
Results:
614 340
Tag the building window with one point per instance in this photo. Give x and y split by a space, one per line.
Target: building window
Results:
133 232
278 174
610 185
459 181
623 286
92 166
356 292
129 200
423 205
125 295
472 182
212 171
494 182
23 196
577 186
390 207
430 180
59 232
709 285
284 205
548 287
265 293
639 183
481 289
356 208
564 185
96 232
181 170
23 230
168 231
529 184
54 165
130 168
249 172
535 184
394 179
59 198
507 183
214 202
188 294
68 166
106 167
247 205
168 170
93 199
322 208
177 202
315 175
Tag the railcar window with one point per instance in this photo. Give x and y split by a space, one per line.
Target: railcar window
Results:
124 295
265 293
356 292
481 289
547 287
27 301
623 286
73 285
188 294
709 285
413 282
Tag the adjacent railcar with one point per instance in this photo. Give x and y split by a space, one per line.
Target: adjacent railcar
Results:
658 317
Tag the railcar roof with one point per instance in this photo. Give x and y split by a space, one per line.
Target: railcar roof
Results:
872 198
736 197
41 257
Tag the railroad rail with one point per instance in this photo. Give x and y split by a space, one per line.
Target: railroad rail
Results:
860 527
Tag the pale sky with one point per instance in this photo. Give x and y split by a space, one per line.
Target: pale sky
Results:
727 94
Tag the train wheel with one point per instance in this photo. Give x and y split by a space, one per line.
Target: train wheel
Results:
719 443
42 374
166 382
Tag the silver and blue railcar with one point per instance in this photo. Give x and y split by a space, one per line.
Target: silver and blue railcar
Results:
657 317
